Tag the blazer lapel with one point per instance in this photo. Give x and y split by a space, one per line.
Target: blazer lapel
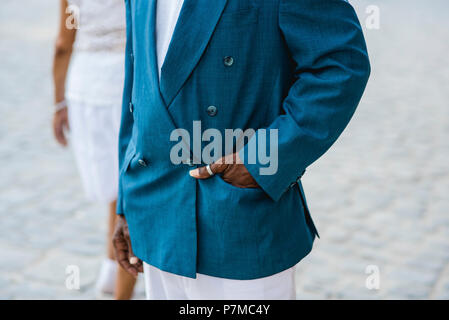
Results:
193 31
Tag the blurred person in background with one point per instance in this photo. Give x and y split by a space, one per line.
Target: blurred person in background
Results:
88 78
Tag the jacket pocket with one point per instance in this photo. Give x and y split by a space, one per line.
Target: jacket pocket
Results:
129 156
232 187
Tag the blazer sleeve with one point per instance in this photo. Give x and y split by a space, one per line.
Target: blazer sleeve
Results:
126 119
326 43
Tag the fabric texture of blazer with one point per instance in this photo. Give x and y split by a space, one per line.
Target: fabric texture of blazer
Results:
298 66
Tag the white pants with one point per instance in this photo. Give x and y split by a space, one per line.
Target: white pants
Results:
161 285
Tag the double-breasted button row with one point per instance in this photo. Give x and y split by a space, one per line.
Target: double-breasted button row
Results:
212 111
228 61
142 163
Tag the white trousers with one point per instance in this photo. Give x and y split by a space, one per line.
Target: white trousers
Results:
161 285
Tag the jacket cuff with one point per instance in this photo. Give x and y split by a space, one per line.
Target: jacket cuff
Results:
274 178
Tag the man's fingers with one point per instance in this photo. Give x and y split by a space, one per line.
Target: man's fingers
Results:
132 258
219 166
132 270
200 173
134 262
203 173
122 253
139 266
123 250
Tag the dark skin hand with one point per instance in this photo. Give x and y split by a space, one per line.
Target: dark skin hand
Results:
232 170
123 250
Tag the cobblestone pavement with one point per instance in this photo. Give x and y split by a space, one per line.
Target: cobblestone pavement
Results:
379 197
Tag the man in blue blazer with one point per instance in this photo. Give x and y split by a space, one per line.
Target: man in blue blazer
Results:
230 229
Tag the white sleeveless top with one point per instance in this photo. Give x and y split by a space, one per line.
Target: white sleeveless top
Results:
96 74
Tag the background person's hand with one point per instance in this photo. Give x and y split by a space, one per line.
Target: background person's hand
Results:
123 251
232 170
60 124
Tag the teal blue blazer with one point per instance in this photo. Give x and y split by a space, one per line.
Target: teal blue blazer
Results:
299 66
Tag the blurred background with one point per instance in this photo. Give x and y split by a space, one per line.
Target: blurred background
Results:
379 197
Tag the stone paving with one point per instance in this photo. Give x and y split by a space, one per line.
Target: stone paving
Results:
379 197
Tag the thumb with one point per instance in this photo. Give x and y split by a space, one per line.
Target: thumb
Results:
202 172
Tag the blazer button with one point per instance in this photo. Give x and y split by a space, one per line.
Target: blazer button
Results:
228 61
131 107
143 163
212 111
